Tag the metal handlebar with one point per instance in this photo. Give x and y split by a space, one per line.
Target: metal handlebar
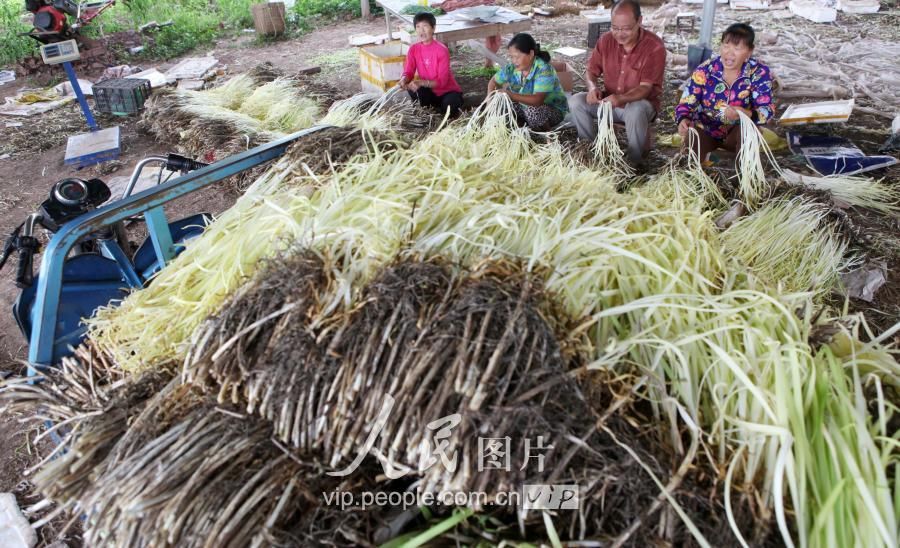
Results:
136 174
23 241
25 271
172 162
177 162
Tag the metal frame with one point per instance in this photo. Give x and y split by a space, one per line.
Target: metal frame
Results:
150 204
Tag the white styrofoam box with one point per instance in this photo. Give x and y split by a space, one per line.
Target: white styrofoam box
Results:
157 79
858 6
407 37
357 40
192 67
380 67
597 17
15 531
749 4
569 51
812 10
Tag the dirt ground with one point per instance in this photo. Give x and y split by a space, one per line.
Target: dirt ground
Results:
36 152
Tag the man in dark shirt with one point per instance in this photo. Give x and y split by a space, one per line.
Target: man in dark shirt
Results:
632 61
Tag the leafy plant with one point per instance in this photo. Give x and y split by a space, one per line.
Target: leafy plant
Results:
414 9
477 71
327 8
195 22
13 46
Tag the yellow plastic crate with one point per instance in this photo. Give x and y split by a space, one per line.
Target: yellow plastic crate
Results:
380 67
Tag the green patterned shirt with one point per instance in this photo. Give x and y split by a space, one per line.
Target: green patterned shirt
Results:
541 79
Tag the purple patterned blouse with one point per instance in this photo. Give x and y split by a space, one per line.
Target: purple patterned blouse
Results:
706 95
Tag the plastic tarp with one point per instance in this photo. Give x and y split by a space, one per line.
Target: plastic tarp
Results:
32 102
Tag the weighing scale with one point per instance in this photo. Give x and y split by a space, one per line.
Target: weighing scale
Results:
86 149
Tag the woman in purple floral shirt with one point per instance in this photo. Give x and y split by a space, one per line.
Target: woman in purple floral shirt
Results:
720 87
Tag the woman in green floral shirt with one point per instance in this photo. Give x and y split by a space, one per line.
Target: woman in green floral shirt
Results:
532 84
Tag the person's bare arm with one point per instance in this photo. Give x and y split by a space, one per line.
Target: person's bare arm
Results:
594 95
636 94
530 99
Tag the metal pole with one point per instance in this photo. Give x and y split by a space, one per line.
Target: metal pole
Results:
706 24
70 72
699 52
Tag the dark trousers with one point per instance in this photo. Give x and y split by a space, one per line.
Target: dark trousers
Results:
426 97
706 144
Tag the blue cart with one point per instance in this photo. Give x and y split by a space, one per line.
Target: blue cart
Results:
69 288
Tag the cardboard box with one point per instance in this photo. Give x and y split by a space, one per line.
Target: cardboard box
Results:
566 74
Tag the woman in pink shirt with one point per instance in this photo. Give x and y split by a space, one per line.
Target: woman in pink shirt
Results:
426 74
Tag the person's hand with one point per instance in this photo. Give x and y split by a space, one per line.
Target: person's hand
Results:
594 97
731 113
683 127
404 85
615 100
413 86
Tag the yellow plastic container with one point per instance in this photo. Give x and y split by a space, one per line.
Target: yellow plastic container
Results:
380 67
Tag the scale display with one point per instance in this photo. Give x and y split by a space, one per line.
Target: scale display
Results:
60 52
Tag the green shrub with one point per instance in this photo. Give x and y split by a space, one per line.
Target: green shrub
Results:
328 8
12 46
196 22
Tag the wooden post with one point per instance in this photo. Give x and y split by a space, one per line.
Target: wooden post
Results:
364 9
